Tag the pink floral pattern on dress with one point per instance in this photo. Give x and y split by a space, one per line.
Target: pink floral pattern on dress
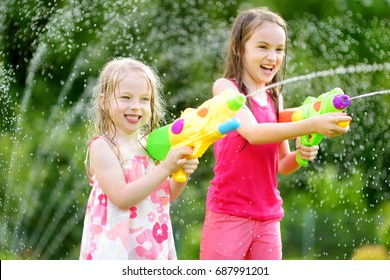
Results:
164 219
160 233
149 248
133 212
143 231
100 210
151 216
161 198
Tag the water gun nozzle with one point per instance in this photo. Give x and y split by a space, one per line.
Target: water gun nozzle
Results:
236 102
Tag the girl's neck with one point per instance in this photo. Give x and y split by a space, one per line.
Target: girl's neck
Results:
129 145
255 90
252 86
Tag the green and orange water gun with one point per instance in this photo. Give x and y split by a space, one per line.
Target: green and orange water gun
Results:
198 128
331 101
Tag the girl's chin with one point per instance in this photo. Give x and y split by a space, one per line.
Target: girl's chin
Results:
269 79
264 80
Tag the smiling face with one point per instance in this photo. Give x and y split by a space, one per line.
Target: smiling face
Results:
130 109
263 54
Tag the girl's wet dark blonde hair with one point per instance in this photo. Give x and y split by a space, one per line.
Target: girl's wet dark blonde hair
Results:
110 76
243 27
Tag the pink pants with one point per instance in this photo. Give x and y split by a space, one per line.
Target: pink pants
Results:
226 237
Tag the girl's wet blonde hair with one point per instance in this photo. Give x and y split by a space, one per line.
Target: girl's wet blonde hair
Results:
110 76
243 27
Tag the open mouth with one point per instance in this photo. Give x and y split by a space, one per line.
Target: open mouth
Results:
268 68
132 118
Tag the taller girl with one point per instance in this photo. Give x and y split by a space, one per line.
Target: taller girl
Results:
244 207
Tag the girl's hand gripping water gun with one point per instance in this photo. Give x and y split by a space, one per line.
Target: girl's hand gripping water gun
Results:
331 101
197 128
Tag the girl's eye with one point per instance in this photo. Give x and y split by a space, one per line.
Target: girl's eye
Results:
145 99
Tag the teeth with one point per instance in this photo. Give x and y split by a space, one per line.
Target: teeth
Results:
132 117
267 66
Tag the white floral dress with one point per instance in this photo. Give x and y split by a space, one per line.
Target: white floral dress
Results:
142 232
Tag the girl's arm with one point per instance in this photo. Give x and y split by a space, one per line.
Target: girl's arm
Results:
106 167
264 133
287 159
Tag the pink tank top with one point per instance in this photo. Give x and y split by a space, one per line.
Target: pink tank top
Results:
245 182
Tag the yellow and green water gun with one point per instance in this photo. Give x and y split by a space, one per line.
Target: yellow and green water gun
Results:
197 128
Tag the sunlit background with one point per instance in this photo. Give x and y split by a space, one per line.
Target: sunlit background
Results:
50 54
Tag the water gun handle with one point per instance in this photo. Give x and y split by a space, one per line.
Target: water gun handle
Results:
308 140
304 142
179 176
313 140
301 161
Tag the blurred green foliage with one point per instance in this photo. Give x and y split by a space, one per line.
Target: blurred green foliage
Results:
51 53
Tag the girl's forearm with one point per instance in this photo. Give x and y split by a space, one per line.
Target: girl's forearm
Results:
288 163
177 189
134 192
266 133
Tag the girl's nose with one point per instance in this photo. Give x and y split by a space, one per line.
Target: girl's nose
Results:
135 104
272 55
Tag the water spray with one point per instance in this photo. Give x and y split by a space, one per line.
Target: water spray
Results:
364 95
361 68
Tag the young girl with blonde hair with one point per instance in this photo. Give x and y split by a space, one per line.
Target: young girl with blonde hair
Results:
127 215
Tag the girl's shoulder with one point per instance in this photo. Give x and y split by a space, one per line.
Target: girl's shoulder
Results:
100 142
102 146
223 84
